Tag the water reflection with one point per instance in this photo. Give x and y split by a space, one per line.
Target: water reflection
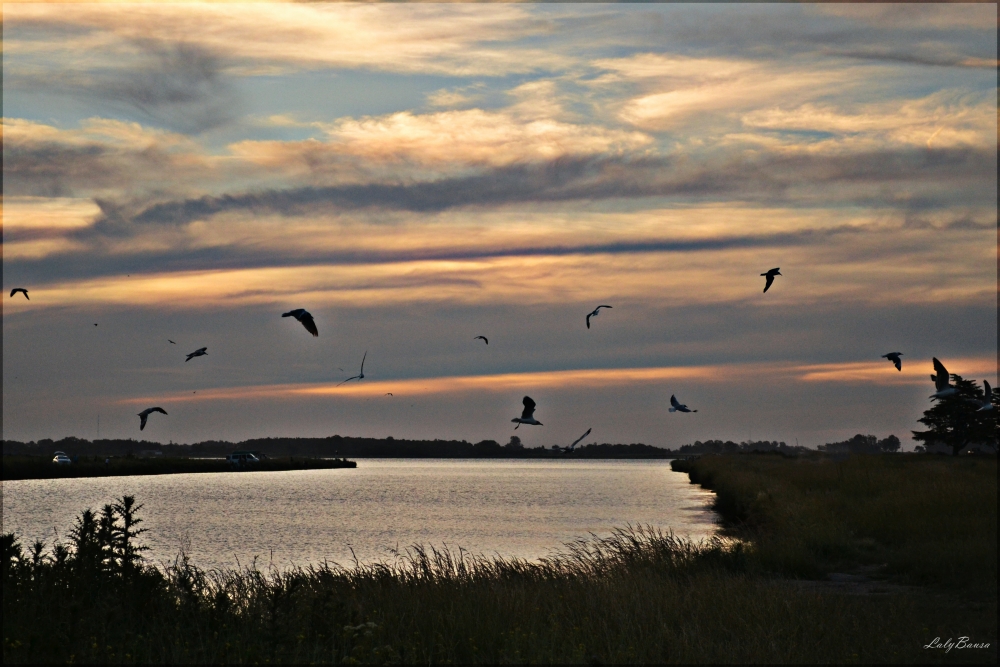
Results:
514 508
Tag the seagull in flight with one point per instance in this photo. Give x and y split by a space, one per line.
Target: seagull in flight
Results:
595 313
171 342
894 357
527 414
941 381
360 376
484 339
987 403
305 317
570 448
770 277
145 413
21 290
200 352
676 406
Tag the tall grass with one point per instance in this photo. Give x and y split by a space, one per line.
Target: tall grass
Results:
638 595
927 519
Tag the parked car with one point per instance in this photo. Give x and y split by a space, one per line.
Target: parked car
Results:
61 459
242 459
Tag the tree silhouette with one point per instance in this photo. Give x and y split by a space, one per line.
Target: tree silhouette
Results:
957 422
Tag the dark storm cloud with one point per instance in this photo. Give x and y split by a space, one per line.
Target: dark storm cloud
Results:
179 86
768 179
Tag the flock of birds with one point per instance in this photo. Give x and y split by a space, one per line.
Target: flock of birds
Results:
941 377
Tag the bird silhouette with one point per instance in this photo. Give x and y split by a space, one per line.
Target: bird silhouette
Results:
360 376
770 277
21 290
987 403
484 339
894 357
171 342
676 406
200 352
942 381
305 317
527 415
594 313
145 413
570 448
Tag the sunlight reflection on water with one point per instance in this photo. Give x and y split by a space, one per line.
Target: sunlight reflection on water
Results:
511 507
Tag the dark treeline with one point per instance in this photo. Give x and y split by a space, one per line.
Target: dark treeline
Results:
340 446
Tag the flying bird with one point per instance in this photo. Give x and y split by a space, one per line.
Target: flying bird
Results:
388 393
770 277
595 313
527 414
171 342
145 413
305 317
21 290
484 339
941 381
894 357
986 404
360 376
570 448
676 406
200 352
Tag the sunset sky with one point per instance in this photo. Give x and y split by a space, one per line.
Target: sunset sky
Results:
416 175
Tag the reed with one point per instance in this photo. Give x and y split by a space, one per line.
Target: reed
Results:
638 595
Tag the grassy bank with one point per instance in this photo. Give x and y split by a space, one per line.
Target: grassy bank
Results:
36 467
638 596
918 519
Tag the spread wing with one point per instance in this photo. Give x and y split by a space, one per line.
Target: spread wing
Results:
308 322
989 392
580 438
673 401
604 306
898 363
941 377
770 279
529 407
158 410
588 319
142 420
294 313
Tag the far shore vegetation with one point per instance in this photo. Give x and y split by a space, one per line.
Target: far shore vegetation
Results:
823 558
39 467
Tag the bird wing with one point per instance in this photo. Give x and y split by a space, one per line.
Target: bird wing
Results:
580 438
989 392
604 306
170 341
673 401
770 279
898 363
363 362
941 378
309 323
293 313
142 420
588 319
529 407
158 410
348 380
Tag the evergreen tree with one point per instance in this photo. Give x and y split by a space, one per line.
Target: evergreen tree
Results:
957 422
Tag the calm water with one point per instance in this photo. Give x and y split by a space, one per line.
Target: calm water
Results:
514 508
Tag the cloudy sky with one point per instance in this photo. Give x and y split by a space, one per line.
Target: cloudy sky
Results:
416 175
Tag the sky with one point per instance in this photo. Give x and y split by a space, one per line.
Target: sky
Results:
416 175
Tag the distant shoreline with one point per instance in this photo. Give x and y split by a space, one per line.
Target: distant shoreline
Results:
16 468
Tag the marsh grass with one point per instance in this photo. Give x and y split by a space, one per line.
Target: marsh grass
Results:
927 519
637 595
